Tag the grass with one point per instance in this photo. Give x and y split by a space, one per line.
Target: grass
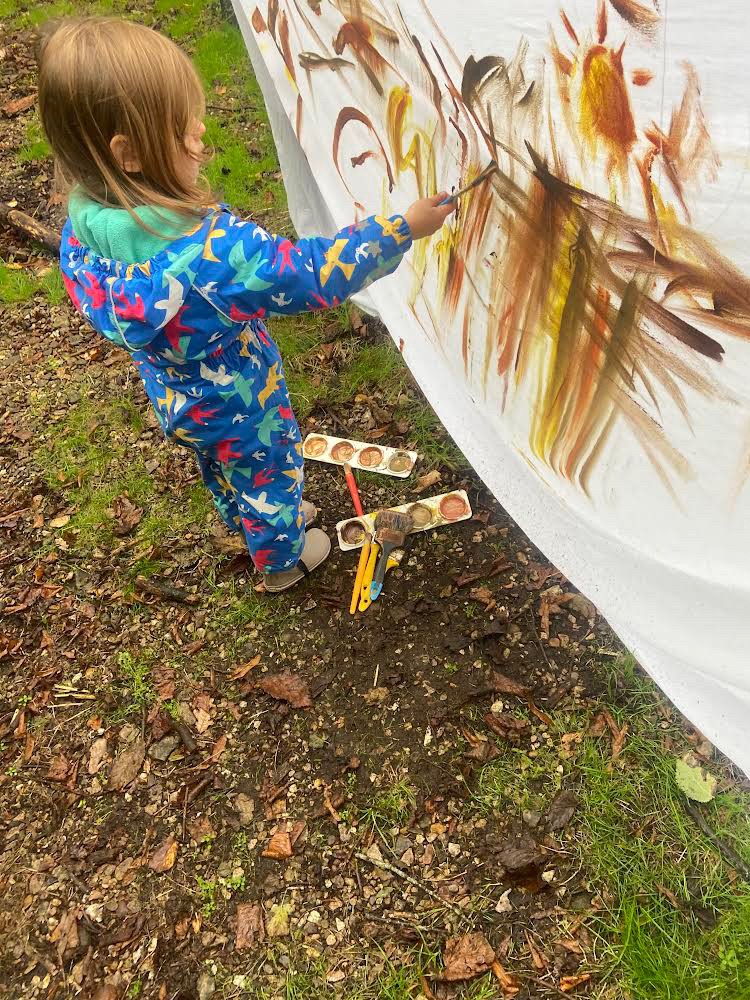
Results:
35 147
389 808
19 284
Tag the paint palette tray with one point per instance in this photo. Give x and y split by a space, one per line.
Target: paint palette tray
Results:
360 455
432 512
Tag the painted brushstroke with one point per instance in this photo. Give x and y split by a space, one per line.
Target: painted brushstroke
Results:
550 295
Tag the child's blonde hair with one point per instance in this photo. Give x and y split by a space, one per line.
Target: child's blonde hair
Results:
100 77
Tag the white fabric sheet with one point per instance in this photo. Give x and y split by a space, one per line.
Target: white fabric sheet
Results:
582 327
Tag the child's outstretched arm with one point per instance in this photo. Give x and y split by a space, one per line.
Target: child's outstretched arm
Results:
254 273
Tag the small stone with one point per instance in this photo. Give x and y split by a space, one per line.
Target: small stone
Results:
206 986
454 850
531 817
245 807
162 749
407 858
331 940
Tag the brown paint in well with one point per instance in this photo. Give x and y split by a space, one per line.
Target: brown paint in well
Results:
343 451
353 532
370 457
453 506
315 446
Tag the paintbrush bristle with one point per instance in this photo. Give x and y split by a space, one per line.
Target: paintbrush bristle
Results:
391 523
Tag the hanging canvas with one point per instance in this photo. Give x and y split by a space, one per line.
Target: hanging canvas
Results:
582 324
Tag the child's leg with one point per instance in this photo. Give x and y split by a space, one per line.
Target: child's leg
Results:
214 478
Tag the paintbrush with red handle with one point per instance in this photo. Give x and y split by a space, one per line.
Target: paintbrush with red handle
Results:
352 484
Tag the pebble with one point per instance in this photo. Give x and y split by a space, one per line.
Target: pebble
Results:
206 986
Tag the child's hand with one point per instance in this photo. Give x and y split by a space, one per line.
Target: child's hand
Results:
427 215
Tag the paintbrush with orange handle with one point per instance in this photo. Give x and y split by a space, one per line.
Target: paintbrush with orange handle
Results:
351 482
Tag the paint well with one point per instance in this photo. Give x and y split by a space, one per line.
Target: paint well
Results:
343 451
453 506
370 457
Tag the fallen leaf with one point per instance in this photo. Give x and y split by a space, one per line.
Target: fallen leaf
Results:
287 687
126 516
106 992
561 811
203 720
337 976
28 748
200 829
376 695
59 768
127 765
509 985
278 924
244 668
581 605
483 595
19 104
467 957
59 522
694 780
217 749
506 726
164 856
515 855
426 481
97 755
245 807
65 935
568 983
537 956
279 847
506 685
163 677
250 930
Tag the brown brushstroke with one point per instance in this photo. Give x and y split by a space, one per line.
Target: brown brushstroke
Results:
686 149
345 116
298 118
271 15
464 141
436 94
284 43
366 13
637 15
259 25
311 60
641 77
356 36
357 161
601 22
569 27
465 340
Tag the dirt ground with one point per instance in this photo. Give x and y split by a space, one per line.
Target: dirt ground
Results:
207 791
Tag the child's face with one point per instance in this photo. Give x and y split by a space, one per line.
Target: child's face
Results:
191 161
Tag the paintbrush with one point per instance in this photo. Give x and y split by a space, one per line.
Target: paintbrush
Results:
391 529
351 482
479 179
361 567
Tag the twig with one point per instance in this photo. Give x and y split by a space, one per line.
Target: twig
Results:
728 853
24 223
387 866
538 638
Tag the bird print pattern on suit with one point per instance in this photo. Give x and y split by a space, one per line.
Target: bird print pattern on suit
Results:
192 318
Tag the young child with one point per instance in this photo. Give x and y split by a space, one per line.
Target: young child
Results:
184 285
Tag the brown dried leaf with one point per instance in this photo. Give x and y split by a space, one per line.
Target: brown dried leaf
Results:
250 928
509 985
163 677
506 726
106 992
561 811
568 983
59 522
537 955
287 687
65 935
426 481
280 847
59 768
164 856
516 855
506 685
19 104
467 957
97 755
239 672
126 767
484 596
126 516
